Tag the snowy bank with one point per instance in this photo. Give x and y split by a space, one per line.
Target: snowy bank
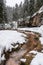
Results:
35 29
9 37
37 60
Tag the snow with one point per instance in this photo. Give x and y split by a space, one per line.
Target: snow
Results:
16 46
28 17
23 60
40 10
35 29
14 23
9 37
21 19
41 32
34 52
37 60
42 51
34 14
3 58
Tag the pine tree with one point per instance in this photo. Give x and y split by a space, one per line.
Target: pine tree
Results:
1 11
20 11
31 7
15 13
25 8
39 4
3 15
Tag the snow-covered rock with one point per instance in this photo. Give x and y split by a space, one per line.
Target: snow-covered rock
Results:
23 60
34 52
37 60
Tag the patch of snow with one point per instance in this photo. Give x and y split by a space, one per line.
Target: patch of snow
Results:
14 23
28 17
42 51
23 60
34 52
35 29
3 58
34 14
9 37
7 26
41 32
21 19
40 10
37 60
16 46
41 39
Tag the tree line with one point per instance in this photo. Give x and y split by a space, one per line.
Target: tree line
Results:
3 14
28 8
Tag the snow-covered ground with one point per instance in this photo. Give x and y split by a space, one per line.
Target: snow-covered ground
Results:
9 37
37 60
35 29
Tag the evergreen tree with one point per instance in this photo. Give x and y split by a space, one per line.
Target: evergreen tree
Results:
3 16
39 4
1 11
20 10
31 7
25 8
15 13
